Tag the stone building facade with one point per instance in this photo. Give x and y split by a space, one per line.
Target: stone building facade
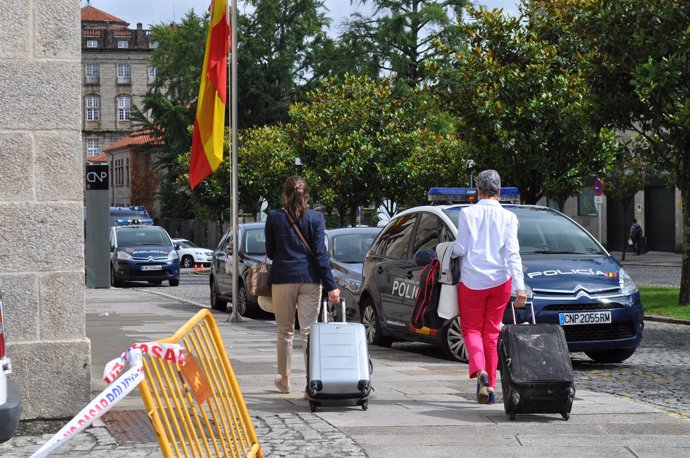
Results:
41 206
115 76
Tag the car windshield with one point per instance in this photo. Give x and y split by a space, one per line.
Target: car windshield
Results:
255 242
187 244
544 231
351 248
142 236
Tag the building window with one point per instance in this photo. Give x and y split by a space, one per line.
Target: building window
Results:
93 147
127 173
119 172
153 44
123 74
93 107
91 73
153 72
123 44
124 104
92 43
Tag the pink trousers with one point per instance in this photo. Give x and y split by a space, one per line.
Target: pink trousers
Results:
481 313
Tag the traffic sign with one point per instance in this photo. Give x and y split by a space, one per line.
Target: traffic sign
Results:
598 187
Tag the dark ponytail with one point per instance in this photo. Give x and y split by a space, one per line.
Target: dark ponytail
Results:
296 197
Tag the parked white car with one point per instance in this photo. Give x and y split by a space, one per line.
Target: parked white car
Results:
190 253
10 403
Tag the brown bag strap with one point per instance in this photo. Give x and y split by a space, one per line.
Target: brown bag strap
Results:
299 233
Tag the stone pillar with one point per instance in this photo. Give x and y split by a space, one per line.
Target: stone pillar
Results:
41 206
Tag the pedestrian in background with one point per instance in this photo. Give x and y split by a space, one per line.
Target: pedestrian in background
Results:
491 269
295 243
636 236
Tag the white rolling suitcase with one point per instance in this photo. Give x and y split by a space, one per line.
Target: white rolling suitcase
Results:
339 369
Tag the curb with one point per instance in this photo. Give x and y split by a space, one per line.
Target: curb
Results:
664 319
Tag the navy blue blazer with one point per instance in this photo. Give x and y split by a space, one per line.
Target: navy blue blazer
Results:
292 263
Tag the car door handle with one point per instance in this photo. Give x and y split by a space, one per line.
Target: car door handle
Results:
410 275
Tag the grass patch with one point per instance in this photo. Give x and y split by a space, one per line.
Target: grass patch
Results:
663 301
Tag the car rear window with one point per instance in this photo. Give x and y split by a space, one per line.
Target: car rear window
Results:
255 242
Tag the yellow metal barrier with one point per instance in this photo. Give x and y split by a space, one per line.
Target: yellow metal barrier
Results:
197 409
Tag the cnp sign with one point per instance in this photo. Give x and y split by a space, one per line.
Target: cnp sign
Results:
97 177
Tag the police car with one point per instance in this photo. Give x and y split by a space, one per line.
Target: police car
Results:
124 216
143 253
571 279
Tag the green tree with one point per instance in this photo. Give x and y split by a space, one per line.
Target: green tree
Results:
361 144
399 36
169 104
637 52
276 54
625 176
521 106
266 158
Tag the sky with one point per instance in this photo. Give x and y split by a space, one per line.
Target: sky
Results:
153 12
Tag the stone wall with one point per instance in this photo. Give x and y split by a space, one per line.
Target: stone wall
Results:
41 206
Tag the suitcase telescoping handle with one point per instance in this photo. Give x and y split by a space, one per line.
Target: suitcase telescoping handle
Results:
531 306
324 311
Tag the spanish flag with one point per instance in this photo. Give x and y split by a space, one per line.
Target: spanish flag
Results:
207 141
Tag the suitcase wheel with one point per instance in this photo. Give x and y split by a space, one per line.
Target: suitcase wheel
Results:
565 415
365 405
312 406
515 399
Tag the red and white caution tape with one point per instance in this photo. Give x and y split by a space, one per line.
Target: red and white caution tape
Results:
115 392
164 351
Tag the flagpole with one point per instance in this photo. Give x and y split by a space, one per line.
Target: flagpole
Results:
235 317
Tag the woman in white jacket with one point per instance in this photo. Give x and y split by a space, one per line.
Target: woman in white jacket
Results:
491 270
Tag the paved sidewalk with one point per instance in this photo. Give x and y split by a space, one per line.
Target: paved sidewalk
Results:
650 258
421 406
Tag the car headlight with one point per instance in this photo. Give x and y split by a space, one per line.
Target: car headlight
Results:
627 284
350 285
172 256
123 256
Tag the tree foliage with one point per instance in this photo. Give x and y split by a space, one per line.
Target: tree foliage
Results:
521 106
627 173
364 145
169 105
399 36
637 52
277 41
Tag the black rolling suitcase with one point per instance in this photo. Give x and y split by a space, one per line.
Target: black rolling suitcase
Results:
536 372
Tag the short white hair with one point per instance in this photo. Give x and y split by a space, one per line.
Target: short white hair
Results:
489 182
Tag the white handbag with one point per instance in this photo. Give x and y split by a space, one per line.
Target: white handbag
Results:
449 277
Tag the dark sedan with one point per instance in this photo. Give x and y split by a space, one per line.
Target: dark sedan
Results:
252 249
347 247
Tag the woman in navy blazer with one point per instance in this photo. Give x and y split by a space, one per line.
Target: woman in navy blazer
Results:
297 272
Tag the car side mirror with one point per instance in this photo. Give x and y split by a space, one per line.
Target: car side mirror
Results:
424 257
177 247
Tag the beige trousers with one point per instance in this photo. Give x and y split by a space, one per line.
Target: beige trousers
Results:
304 298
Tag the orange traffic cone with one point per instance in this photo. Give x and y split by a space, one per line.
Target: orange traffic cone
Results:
201 268
196 269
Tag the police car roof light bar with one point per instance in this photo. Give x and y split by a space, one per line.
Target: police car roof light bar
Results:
439 196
